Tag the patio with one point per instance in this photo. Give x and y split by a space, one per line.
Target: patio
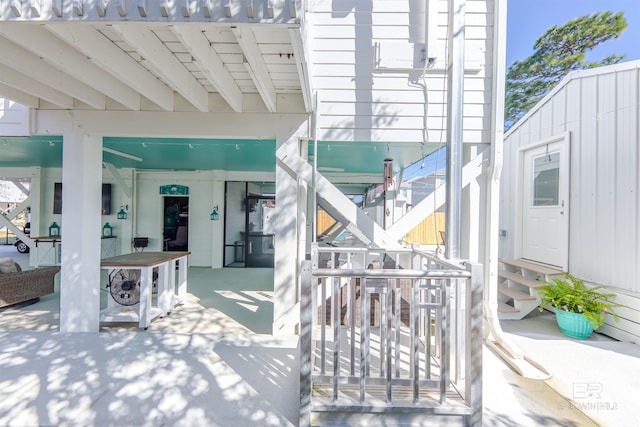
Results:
213 362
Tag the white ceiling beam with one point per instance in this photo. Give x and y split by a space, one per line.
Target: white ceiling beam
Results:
256 66
121 7
32 66
56 52
19 81
165 64
16 7
78 7
115 61
302 66
56 6
142 8
19 96
208 61
101 7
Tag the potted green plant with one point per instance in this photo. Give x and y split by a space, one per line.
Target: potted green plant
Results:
579 309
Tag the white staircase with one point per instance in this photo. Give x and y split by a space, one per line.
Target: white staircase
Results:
518 281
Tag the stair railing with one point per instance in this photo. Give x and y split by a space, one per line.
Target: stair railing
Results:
390 331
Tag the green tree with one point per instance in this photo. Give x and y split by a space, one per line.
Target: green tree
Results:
557 52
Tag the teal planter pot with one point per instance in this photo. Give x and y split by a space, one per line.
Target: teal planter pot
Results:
574 325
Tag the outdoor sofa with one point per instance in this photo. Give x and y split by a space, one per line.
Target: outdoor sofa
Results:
20 286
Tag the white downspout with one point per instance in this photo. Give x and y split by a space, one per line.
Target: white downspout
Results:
493 333
455 125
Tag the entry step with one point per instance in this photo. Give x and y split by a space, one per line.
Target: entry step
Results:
521 280
532 266
514 294
506 308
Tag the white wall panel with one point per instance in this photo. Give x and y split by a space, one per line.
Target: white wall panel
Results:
344 73
14 118
149 211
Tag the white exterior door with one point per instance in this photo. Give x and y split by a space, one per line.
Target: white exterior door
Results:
545 210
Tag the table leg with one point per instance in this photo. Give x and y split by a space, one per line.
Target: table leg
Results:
182 277
165 292
172 283
146 287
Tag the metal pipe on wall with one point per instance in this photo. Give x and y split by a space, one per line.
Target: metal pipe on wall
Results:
455 111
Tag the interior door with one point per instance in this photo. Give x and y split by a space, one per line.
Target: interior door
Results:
545 214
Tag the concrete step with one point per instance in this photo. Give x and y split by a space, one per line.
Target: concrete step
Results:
543 269
514 294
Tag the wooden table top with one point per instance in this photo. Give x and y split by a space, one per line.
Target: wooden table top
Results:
46 238
142 259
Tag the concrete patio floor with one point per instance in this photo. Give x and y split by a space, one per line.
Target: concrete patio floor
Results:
213 362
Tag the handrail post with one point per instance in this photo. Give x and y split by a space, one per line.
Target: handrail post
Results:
473 347
306 325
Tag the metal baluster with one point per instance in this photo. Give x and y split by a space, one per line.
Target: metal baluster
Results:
351 303
335 320
428 347
382 301
444 349
323 327
389 305
398 296
415 342
363 362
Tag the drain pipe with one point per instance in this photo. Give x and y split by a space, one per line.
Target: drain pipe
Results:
455 111
493 334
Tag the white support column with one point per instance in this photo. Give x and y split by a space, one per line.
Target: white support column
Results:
217 227
303 206
285 280
80 231
472 209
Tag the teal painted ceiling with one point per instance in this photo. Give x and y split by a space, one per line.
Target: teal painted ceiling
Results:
206 154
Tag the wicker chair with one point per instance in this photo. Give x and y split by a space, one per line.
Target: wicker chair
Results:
26 285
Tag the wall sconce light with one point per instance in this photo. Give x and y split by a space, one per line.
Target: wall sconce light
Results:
214 214
123 212
54 230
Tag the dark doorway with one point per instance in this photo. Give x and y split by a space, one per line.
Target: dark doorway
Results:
176 223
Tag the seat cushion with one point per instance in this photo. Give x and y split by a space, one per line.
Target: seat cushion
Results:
8 265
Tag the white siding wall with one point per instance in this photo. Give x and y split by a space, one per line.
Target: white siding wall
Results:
600 110
14 118
149 212
121 228
361 103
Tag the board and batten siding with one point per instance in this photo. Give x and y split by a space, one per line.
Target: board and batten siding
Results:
600 110
359 102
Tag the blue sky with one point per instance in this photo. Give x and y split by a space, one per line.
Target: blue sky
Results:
529 19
